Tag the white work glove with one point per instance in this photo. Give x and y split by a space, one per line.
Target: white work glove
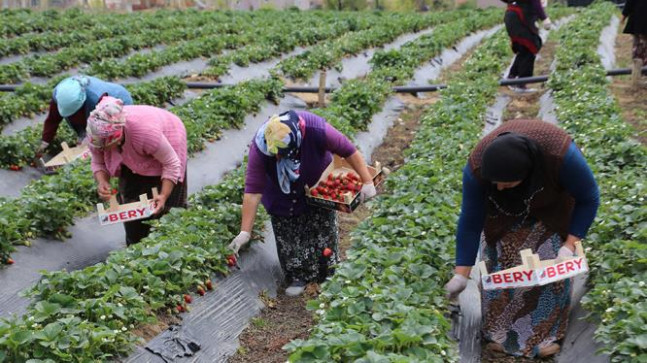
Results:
242 238
41 149
544 3
368 191
547 24
565 252
455 286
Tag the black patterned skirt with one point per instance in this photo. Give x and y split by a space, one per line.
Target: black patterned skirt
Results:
301 240
132 185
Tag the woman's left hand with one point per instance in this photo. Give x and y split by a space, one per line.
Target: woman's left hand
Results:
159 201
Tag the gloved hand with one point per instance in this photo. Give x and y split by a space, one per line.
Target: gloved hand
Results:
41 149
242 238
368 191
565 252
547 24
455 286
544 3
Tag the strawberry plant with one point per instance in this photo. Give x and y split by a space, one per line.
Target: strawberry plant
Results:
184 249
615 245
386 301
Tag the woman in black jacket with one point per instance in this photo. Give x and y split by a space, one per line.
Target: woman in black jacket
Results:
636 12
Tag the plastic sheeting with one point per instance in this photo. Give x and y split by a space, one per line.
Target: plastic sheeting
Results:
606 49
218 318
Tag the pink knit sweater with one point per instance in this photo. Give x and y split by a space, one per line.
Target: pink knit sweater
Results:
154 145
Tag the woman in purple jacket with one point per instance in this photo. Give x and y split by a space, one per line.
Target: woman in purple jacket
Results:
291 151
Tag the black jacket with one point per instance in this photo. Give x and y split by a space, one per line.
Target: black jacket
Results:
636 12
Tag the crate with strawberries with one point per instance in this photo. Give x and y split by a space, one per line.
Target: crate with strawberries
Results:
339 186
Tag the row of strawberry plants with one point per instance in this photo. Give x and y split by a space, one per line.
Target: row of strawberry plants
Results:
206 46
353 105
30 99
48 205
273 45
616 245
90 314
17 150
105 26
66 58
386 301
23 21
329 54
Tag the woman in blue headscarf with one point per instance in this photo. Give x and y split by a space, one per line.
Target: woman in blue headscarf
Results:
73 99
290 151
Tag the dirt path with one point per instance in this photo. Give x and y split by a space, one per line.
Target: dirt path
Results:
633 101
286 318
527 105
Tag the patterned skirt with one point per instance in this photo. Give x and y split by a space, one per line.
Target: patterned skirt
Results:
132 185
640 47
525 320
301 240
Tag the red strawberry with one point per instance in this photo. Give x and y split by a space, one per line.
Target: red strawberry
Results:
187 298
114 191
14 167
10 261
314 192
327 252
231 260
200 291
179 308
209 285
330 177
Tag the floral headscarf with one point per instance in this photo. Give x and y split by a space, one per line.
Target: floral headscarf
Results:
106 123
281 136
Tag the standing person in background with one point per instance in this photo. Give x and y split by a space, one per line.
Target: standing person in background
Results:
291 151
526 185
636 12
520 18
145 147
73 99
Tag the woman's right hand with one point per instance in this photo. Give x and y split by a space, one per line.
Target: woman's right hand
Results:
455 286
104 190
240 240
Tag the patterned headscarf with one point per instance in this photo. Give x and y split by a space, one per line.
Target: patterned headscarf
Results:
106 123
281 136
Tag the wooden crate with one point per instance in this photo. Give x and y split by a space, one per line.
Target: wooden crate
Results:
117 213
68 155
338 166
534 272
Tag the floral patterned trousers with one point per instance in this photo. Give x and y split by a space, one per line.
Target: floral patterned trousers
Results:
524 320
301 240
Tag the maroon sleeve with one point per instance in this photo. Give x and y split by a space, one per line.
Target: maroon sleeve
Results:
337 143
51 123
255 175
538 9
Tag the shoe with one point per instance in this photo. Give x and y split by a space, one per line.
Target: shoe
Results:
296 288
495 347
549 350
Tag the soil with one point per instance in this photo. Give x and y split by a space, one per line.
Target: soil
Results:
631 99
286 318
527 105
150 331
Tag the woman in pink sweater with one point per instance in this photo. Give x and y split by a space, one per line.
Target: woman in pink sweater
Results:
145 147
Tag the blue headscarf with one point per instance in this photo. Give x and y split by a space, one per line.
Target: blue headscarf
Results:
281 136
